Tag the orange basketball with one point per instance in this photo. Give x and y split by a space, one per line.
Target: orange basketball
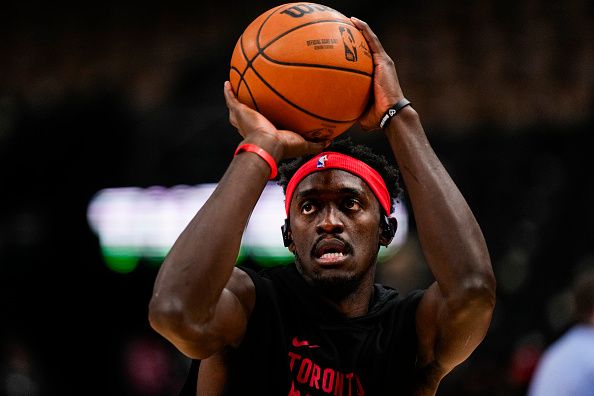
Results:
305 67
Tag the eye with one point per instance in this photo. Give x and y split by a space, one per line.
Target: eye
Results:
351 204
307 207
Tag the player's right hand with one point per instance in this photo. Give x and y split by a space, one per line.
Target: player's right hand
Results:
257 129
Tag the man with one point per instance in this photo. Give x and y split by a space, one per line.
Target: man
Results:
567 367
321 327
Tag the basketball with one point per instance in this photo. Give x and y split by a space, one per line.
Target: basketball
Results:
305 67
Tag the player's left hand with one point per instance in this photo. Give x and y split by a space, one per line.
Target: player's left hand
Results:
386 87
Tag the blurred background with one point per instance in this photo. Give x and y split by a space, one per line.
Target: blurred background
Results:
108 95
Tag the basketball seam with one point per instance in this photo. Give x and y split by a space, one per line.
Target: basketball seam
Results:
262 49
249 65
269 43
299 107
318 66
246 86
241 74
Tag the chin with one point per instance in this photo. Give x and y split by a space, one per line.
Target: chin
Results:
332 282
337 287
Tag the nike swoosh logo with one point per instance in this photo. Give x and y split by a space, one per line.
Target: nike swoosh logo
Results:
296 343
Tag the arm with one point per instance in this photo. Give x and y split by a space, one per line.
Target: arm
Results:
201 302
455 312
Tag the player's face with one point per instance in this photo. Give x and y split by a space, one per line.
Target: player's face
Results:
335 229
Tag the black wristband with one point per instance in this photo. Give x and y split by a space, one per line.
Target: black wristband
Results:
392 111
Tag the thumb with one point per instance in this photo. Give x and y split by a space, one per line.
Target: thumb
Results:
296 145
315 147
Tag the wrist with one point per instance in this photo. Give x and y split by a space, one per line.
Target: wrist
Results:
268 142
407 124
405 115
263 155
392 112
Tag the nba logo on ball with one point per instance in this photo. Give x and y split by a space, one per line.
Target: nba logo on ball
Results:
305 67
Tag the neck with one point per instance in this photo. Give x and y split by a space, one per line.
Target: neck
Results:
350 296
356 303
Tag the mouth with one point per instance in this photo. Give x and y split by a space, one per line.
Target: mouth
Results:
331 251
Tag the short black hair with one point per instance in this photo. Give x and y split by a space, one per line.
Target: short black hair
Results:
390 173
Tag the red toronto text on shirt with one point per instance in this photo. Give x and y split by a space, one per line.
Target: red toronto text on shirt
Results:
309 375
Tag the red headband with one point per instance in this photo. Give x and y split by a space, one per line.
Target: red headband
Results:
333 160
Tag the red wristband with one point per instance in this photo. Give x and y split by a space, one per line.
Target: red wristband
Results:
262 153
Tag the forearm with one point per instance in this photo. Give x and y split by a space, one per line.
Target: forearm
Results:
452 242
200 263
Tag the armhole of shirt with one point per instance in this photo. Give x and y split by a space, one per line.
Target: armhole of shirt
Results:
263 296
408 320
189 386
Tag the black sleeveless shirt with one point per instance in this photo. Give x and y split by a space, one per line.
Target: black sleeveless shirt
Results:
298 344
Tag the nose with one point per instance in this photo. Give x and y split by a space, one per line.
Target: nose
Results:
329 221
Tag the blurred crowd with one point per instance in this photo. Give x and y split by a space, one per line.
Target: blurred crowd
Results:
507 63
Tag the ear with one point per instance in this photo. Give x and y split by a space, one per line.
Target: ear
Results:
388 227
287 237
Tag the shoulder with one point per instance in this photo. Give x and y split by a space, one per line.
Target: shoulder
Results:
404 306
406 312
258 284
260 276
572 345
267 276
398 313
242 286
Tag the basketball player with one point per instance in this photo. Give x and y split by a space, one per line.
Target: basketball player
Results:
321 326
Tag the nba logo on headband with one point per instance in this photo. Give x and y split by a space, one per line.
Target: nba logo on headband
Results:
322 161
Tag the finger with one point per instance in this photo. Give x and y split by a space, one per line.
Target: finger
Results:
230 98
374 44
231 102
